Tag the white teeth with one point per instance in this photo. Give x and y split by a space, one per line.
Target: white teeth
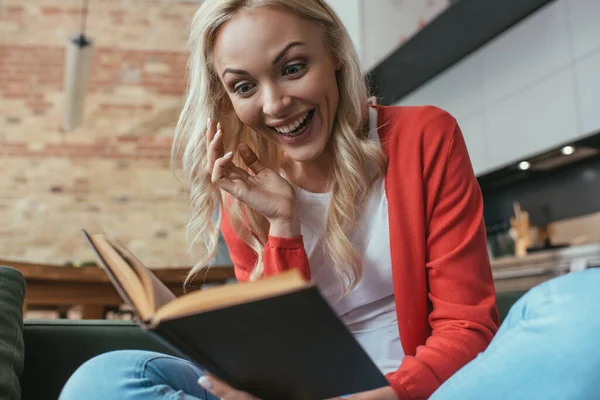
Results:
292 126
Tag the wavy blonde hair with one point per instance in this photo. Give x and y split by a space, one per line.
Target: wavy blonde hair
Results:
352 175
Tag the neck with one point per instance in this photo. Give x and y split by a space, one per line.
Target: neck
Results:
314 175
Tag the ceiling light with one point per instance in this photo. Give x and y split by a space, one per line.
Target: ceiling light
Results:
524 165
77 73
567 150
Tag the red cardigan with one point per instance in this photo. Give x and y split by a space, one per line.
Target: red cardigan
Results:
443 286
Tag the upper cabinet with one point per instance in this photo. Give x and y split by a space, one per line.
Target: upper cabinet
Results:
527 53
530 97
535 119
584 23
587 80
532 88
458 90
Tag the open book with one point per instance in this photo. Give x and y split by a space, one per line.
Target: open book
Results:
276 338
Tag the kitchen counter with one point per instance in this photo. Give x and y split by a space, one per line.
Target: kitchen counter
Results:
521 273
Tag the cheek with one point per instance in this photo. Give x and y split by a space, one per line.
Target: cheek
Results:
323 88
246 111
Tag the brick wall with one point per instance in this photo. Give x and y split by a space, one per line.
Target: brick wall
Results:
111 174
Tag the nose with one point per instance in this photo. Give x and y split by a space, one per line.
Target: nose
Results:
275 102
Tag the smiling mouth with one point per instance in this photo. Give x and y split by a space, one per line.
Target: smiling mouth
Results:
297 127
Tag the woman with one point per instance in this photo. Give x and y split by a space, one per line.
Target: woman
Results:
377 205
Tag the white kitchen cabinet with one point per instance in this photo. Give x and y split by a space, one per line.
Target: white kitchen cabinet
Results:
458 90
587 80
532 120
532 50
584 23
473 132
533 88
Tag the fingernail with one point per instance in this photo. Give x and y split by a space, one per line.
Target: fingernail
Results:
228 154
218 125
217 134
208 124
205 382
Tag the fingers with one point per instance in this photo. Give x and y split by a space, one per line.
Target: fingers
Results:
225 173
250 158
215 150
214 144
222 390
210 131
219 167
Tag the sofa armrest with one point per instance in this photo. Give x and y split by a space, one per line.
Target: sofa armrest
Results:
55 348
12 293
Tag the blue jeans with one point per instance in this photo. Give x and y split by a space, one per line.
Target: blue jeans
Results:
547 348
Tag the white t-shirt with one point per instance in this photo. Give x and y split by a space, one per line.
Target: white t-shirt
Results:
369 310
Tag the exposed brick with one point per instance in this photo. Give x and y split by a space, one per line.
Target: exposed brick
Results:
15 95
48 11
118 130
39 105
13 11
126 107
127 138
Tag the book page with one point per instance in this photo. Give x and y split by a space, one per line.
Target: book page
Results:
126 276
229 295
158 293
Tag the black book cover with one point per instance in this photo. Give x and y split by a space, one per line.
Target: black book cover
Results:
287 347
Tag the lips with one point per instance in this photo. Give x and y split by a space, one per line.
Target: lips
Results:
295 128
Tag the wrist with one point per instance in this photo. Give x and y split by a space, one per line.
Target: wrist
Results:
285 228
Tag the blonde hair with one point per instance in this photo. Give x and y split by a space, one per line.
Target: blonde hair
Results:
352 175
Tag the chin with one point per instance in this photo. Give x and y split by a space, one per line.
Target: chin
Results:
303 155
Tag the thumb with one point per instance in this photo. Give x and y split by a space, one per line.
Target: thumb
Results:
250 158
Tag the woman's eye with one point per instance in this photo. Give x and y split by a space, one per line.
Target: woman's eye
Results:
243 88
293 69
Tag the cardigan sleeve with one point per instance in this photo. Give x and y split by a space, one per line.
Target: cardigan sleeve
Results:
279 254
463 316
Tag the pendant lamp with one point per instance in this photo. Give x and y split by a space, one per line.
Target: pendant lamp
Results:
78 65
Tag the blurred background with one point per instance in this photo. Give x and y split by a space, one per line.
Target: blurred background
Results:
90 92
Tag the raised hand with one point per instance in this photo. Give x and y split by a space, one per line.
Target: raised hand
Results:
262 189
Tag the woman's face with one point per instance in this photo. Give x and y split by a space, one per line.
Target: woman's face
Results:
280 78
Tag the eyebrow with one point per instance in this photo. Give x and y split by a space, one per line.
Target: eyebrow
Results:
285 49
277 58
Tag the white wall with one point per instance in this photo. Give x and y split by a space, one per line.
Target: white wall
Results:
379 27
532 88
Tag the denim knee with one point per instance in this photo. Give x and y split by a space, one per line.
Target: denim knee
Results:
568 304
135 374
577 293
104 375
